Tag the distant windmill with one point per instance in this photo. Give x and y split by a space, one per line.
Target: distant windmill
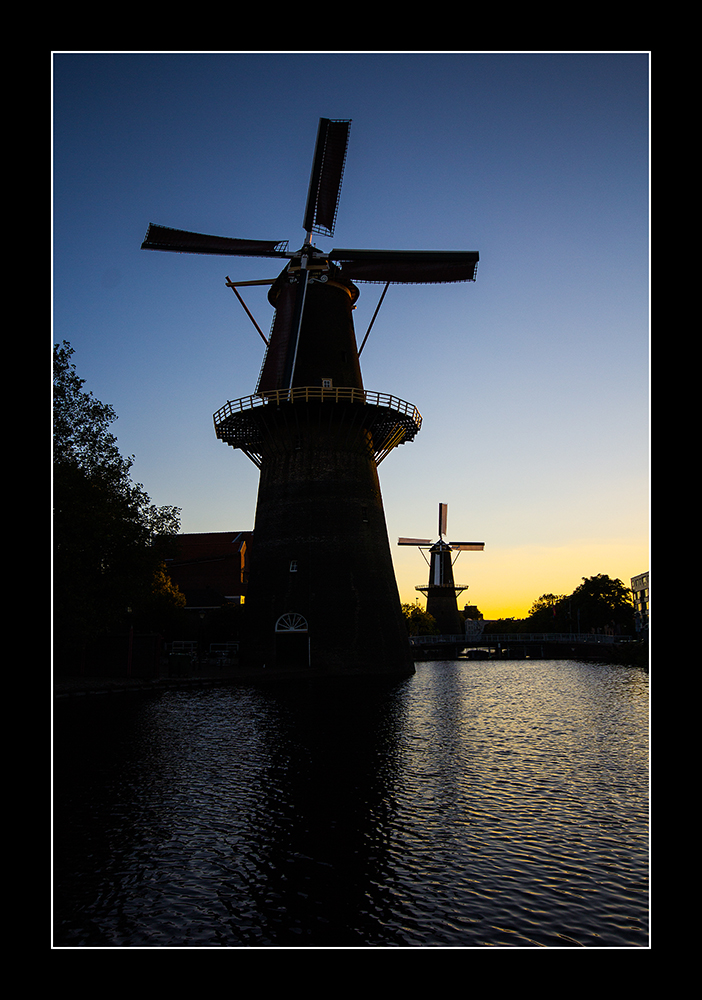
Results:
441 591
322 590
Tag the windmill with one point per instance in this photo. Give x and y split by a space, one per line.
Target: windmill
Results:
322 590
441 591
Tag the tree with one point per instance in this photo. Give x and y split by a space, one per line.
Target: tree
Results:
81 422
162 603
546 614
108 537
598 604
603 603
418 621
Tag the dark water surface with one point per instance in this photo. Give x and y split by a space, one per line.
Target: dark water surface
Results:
482 803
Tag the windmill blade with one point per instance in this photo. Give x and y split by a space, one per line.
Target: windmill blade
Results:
180 241
468 546
408 266
443 519
325 179
414 541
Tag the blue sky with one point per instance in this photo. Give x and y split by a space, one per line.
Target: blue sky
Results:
533 381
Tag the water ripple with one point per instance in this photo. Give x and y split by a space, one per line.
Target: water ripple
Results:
481 804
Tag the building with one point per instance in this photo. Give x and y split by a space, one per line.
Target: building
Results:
639 588
474 622
211 568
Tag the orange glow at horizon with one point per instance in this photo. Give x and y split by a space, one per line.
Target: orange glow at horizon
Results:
505 583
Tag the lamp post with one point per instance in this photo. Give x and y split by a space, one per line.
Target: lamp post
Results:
130 643
200 641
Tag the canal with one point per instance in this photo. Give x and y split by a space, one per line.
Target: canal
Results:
494 803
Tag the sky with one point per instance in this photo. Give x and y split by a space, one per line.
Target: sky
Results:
532 381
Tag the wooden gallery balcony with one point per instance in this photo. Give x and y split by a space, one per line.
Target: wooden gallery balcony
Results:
273 422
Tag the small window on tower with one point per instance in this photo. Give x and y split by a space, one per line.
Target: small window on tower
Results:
293 565
326 383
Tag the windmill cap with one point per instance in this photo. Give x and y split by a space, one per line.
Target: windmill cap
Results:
335 278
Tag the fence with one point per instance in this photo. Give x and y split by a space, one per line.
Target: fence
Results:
486 639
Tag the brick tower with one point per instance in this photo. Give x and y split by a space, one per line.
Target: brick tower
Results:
322 590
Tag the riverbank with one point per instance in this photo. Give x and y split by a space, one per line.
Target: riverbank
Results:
625 654
70 687
75 687
67 687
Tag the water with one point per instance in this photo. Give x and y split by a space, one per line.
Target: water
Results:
476 804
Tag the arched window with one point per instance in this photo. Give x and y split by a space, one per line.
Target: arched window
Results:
291 622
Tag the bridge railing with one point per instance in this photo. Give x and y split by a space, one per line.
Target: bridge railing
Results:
488 639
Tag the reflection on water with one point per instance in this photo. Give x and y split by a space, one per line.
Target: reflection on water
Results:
483 803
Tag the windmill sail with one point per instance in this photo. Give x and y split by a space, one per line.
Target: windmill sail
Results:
407 266
441 544
443 519
325 179
181 241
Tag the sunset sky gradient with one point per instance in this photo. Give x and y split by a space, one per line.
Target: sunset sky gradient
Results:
533 382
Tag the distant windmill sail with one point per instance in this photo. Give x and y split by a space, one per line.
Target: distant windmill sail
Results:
443 528
443 519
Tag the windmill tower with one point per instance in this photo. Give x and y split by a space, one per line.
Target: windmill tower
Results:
322 591
441 591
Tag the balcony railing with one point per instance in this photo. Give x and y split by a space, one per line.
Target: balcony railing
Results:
313 393
380 420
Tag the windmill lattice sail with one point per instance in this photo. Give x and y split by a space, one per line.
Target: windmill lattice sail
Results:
326 176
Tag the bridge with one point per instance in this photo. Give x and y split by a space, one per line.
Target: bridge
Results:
539 644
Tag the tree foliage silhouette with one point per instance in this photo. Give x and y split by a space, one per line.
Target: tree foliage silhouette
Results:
599 604
108 536
418 621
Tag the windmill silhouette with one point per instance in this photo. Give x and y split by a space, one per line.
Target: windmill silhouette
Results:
442 591
322 591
